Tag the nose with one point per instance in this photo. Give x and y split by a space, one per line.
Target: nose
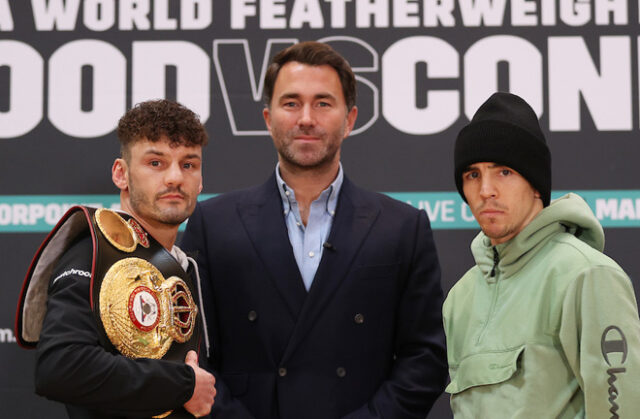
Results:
173 175
487 188
306 118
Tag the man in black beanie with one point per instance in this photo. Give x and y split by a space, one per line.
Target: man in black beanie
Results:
544 325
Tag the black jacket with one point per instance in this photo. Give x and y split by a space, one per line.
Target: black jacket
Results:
72 367
366 341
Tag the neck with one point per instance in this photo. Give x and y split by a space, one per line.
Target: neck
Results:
165 234
308 183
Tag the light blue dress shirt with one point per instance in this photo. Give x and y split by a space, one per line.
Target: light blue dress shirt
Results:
307 241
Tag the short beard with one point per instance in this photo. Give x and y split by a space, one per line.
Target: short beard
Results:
168 217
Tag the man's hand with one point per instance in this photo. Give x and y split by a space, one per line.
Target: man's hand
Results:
204 391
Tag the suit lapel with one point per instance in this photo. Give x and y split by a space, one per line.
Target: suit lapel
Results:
354 218
264 222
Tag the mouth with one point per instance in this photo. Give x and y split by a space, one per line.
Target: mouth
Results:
306 138
172 197
491 212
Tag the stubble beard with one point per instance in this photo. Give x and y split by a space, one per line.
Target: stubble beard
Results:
171 216
307 156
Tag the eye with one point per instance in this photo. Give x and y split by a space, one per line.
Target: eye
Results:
154 163
323 104
471 175
289 104
505 172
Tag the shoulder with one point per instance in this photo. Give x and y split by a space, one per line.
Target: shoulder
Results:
253 194
464 288
365 197
75 262
574 254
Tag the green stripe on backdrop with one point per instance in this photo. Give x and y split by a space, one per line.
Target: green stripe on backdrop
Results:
39 213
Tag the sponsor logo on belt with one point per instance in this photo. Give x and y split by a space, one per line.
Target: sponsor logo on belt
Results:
614 350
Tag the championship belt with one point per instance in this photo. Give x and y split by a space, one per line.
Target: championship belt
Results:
142 295
142 299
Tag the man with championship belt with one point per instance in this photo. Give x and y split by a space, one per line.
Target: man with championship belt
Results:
110 302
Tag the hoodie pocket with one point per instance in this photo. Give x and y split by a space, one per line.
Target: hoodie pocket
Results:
484 369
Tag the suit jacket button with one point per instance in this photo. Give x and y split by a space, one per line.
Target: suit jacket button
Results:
341 372
358 318
252 316
282 371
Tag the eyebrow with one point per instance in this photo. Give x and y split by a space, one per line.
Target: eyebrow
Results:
492 166
294 95
160 154
154 152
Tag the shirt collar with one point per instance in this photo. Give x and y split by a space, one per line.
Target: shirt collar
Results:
329 195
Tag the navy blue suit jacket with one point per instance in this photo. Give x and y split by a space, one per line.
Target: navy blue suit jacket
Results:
366 340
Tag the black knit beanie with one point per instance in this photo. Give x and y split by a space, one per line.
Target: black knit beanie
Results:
505 130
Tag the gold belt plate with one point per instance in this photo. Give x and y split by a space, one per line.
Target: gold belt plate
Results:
142 312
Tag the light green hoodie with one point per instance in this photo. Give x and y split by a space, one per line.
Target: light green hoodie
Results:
553 333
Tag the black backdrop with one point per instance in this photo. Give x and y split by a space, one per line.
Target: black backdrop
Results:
70 68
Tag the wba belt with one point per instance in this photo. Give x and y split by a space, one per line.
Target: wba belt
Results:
142 299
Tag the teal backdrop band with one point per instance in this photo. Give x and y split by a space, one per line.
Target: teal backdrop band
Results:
446 210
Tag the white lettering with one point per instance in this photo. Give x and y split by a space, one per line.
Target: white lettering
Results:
133 14
626 210
607 208
242 102
148 79
466 213
52 214
575 13
6 336
618 9
482 12
573 75
523 13
432 211
99 15
6 19
399 85
109 87
240 9
338 13
272 14
20 215
447 211
5 214
481 71
548 15
306 11
195 14
36 211
59 14
376 9
26 88
405 14
438 12
161 19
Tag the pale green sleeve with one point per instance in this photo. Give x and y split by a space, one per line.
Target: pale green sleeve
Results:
600 335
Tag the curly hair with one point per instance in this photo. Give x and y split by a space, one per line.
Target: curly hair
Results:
155 119
315 54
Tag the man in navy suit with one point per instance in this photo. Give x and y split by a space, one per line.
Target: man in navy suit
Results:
323 299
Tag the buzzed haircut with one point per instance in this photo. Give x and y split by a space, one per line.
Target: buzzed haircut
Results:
314 54
155 119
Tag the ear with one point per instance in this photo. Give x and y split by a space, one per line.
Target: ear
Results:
120 174
267 117
351 120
